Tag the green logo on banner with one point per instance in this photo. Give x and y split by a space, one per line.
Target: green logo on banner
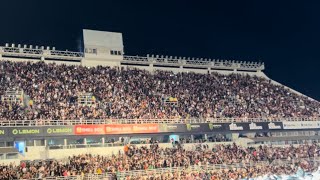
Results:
59 130
14 131
25 131
49 131
210 126
189 127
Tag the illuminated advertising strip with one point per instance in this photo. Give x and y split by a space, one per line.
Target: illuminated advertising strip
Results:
89 129
58 130
25 131
131 128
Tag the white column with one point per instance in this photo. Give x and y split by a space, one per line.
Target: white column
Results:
206 137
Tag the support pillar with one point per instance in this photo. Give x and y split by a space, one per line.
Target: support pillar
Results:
192 138
206 137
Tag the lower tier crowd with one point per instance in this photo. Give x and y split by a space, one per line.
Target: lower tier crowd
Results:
153 157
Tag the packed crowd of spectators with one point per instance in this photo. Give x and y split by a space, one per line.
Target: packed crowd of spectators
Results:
289 171
133 94
153 157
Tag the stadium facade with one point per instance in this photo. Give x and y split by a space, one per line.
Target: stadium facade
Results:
57 139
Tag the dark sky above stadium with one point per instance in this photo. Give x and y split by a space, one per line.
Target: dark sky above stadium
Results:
283 34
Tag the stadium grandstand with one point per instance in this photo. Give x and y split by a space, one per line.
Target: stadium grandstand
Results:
101 114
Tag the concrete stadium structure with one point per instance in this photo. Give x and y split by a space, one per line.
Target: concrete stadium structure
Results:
107 49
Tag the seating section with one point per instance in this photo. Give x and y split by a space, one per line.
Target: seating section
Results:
54 90
236 163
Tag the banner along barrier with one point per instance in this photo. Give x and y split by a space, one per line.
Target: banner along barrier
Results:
116 129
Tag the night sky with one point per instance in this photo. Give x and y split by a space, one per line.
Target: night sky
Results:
283 34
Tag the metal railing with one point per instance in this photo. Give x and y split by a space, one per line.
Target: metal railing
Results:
199 168
206 63
213 167
75 146
148 121
79 177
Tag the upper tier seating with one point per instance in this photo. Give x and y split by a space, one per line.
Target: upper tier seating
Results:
53 91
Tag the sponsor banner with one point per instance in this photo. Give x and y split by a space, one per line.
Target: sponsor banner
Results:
25 131
3 132
198 128
236 127
255 126
195 127
275 125
131 128
218 127
301 124
89 129
58 130
173 128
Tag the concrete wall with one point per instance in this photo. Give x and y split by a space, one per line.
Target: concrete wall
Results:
200 71
38 60
41 152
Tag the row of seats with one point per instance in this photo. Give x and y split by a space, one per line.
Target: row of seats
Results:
133 94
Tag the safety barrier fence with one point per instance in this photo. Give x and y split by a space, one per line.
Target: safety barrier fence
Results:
214 167
79 177
148 121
